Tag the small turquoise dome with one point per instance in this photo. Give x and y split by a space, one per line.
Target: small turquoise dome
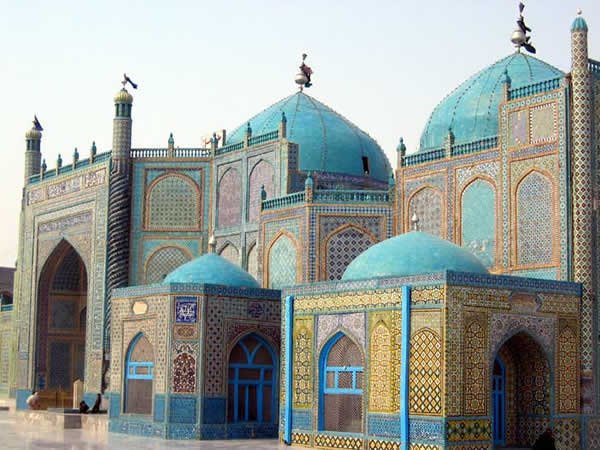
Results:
409 254
471 110
579 24
328 141
211 269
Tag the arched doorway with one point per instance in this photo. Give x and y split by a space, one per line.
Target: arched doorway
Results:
61 324
252 382
139 376
521 390
341 386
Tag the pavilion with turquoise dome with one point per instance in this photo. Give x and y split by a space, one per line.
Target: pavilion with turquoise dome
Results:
286 278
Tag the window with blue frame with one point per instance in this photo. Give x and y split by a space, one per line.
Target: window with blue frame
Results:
252 381
341 386
139 375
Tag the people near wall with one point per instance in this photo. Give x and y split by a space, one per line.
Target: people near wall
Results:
33 401
83 407
96 407
545 441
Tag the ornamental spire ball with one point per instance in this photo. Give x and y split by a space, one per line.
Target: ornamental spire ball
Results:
303 77
519 37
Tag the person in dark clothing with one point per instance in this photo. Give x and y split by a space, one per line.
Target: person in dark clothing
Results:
545 441
83 407
96 407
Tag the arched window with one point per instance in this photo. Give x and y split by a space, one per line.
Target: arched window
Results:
427 205
535 220
229 199
261 176
173 204
342 248
231 254
253 261
282 263
478 224
252 382
162 262
341 386
139 373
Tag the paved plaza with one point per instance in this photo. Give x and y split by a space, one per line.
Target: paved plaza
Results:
16 435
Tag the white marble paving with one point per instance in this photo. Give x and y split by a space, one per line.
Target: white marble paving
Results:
17 435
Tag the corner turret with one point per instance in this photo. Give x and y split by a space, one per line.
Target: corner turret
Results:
33 154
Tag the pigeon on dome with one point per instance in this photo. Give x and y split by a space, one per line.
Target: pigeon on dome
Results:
303 77
520 36
126 80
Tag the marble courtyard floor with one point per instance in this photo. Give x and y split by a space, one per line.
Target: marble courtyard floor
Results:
16 435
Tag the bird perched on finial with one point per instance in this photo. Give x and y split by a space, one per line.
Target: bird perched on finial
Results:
303 77
126 80
36 124
520 37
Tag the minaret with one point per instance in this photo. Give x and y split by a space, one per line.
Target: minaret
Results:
582 201
118 205
33 155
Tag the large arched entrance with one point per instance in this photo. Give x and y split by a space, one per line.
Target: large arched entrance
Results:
521 387
61 323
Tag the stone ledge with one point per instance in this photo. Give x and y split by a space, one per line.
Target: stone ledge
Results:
59 418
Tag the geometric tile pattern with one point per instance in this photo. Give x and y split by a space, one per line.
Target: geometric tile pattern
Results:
174 204
518 128
164 261
282 263
425 377
184 374
535 230
427 205
567 373
325 441
469 430
383 445
186 309
384 354
475 367
230 253
303 361
543 124
229 199
343 247
566 432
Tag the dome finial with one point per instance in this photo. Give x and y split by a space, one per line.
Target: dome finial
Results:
414 222
212 244
303 77
519 37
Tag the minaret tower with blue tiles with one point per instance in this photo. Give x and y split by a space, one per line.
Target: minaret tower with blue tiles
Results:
118 204
582 200
33 154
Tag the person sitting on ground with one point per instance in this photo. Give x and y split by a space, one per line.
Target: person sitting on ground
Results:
83 407
545 441
96 407
33 401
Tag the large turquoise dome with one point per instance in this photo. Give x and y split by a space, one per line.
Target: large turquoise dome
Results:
409 254
211 269
328 141
471 110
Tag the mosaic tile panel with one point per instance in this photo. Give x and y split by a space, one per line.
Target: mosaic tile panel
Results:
568 371
164 261
184 374
425 373
261 176
543 123
301 439
186 309
384 354
465 174
342 248
303 361
478 221
535 219
229 199
328 324
426 431
518 133
182 409
567 433
327 441
427 205
475 368
377 444
282 263
469 430
174 203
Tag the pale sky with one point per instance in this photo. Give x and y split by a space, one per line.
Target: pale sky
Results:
203 66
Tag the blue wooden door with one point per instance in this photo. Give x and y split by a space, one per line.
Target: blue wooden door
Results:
499 402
